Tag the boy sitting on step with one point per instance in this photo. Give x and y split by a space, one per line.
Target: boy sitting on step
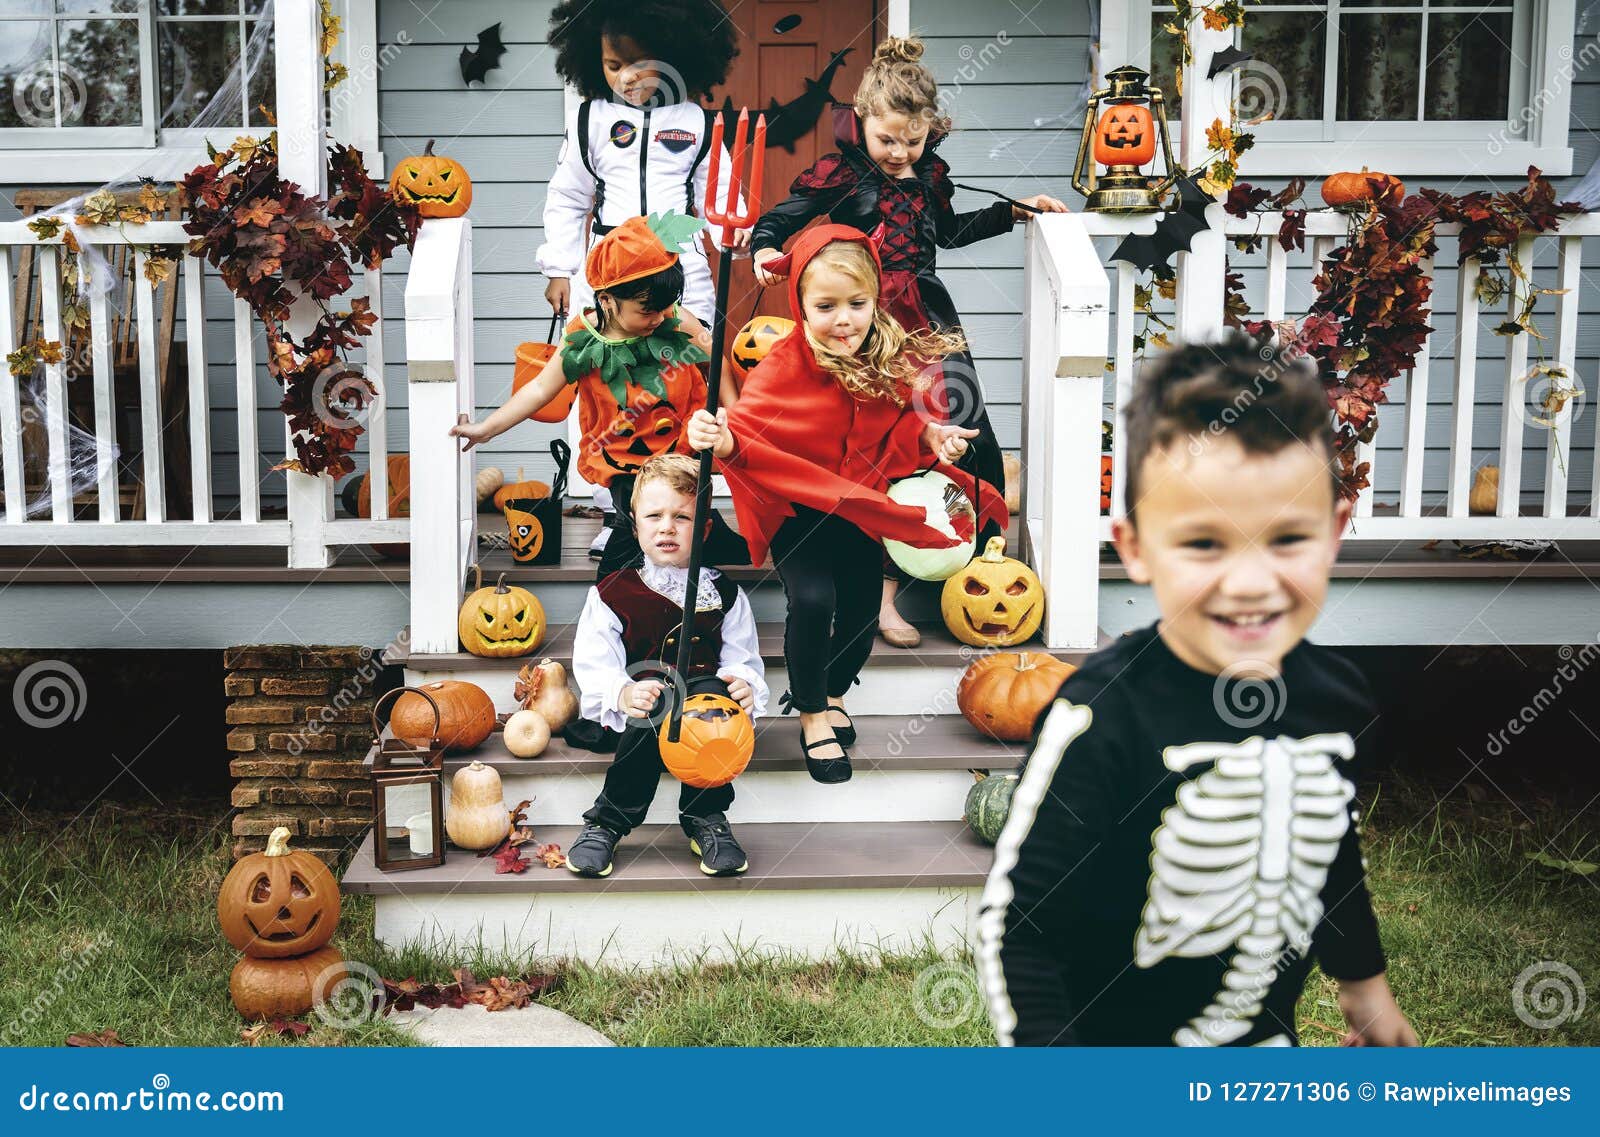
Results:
626 637
1183 841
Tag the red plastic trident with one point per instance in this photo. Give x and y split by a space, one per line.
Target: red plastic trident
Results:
731 218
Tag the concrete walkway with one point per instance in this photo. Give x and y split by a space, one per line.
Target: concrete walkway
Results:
472 1025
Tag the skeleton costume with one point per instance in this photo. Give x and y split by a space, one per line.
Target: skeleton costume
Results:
1165 877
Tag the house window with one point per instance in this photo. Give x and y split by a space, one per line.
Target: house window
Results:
1411 86
124 73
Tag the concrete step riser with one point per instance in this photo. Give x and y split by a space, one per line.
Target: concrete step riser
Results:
916 691
762 796
717 923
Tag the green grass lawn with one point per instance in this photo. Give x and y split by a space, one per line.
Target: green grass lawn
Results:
108 921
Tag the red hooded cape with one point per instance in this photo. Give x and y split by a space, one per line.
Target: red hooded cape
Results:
802 439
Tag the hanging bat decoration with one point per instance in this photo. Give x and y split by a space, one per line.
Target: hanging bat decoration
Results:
1174 232
788 123
1229 56
478 64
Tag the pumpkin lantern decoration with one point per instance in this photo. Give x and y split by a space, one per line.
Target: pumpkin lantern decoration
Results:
715 742
281 907
501 621
1122 139
1002 694
754 340
1349 190
994 601
278 903
436 185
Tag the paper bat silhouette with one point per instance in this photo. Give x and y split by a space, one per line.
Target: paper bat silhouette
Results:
1175 230
478 64
1229 56
789 122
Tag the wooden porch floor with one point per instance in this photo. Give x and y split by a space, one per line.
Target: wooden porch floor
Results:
359 564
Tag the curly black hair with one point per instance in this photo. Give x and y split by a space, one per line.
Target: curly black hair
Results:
695 39
1263 396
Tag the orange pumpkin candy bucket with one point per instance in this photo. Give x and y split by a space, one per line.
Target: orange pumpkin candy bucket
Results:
533 524
531 358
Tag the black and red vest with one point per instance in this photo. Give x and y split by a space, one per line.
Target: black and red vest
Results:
651 622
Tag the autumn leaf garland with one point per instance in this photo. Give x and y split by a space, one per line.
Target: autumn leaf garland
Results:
272 243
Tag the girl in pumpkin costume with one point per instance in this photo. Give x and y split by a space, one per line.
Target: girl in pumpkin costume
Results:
886 180
822 425
637 376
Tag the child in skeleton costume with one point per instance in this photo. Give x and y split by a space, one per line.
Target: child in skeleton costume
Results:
639 142
887 181
629 625
1183 841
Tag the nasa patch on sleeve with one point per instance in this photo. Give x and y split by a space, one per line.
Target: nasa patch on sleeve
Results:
676 140
623 133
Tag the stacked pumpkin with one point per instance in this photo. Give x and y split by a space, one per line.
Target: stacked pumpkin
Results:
281 907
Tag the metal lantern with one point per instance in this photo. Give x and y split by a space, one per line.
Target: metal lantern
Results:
1122 138
407 796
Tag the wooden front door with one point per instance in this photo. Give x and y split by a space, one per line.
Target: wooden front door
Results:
784 48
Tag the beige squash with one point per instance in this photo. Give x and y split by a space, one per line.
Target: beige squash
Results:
527 734
477 817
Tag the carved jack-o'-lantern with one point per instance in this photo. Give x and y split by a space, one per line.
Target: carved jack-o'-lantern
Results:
993 602
500 621
715 742
278 903
1125 136
754 340
436 185
524 528
637 434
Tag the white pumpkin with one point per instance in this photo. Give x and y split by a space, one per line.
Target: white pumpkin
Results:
945 503
527 734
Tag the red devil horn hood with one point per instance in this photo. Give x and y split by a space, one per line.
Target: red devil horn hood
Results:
802 439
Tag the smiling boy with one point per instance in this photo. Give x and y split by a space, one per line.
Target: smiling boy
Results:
1183 841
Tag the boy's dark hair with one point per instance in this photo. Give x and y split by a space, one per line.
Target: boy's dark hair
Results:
657 291
695 38
1262 396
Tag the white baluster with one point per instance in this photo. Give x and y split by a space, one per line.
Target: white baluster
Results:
105 407
55 386
194 323
1558 453
377 416
1416 448
1514 402
1124 390
152 416
10 407
244 386
1465 387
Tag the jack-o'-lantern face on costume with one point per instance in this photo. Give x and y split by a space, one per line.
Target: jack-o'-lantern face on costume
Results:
525 531
1125 137
993 602
639 433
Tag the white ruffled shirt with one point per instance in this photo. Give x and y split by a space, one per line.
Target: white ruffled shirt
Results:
600 662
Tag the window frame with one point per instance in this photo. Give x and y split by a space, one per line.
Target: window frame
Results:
75 155
1460 149
28 138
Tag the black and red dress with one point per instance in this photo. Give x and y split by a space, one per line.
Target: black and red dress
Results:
909 219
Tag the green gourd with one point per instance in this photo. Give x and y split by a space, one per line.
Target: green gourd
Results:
988 803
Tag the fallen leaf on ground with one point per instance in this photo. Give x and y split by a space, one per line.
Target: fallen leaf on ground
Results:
99 1038
254 1034
497 994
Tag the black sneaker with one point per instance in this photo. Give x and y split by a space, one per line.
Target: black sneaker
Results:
590 854
712 840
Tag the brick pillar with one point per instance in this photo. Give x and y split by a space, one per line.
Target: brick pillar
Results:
299 726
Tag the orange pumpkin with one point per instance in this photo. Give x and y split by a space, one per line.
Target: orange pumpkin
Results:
715 742
399 468
1346 189
519 488
1125 136
531 358
285 988
754 340
500 621
1002 694
278 903
436 185
466 715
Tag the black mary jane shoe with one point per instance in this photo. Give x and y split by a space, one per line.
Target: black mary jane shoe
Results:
828 771
846 734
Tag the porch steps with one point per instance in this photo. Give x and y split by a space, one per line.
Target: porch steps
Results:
883 862
813 888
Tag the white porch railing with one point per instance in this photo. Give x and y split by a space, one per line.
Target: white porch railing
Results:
1072 331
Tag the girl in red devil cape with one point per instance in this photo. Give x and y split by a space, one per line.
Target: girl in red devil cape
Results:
822 425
